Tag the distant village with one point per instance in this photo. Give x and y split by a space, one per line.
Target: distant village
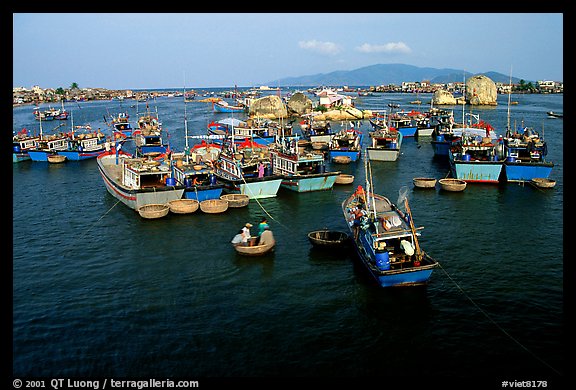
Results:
37 95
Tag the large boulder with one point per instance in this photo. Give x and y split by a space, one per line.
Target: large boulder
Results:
347 113
270 107
442 97
299 104
481 90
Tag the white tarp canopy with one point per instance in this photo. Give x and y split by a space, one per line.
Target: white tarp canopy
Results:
232 122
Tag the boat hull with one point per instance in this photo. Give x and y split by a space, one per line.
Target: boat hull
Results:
382 154
39 155
441 148
315 182
200 194
475 171
408 131
19 157
526 171
353 154
255 188
78 156
134 198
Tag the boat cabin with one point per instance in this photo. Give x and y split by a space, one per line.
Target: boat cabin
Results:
138 173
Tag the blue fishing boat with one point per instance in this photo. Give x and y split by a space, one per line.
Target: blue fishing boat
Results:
121 127
476 154
84 146
301 170
22 141
223 106
47 146
524 152
403 124
386 240
245 170
442 122
346 143
148 135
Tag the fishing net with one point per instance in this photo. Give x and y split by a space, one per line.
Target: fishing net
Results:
402 195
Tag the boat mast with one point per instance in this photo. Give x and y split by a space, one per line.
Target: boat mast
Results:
509 93
186 124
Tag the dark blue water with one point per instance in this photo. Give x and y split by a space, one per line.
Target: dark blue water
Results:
100 292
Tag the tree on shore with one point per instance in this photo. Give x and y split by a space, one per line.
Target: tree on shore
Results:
74 86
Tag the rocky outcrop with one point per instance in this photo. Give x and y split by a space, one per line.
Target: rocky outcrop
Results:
481 90
442 97
299 104
269 107
347 113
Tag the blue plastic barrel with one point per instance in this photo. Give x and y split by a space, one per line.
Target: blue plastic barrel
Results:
170 181
439 138
321 168
465 157
268 171
188 182
212 179
393 145
383 260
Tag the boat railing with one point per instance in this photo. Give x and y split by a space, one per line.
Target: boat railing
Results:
396 232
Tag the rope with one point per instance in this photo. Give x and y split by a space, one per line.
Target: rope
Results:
496 324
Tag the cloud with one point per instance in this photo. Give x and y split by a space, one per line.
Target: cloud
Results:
392 47
329 48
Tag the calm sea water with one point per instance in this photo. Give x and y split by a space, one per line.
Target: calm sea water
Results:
100 292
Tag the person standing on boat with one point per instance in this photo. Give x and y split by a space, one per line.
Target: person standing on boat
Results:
262 226
246 232
260 169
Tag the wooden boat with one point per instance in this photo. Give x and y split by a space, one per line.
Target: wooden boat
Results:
56 158
152 211
223 106
137 181
328 238
385 239
256 250
424 182
342 159
183 206
344 179
543 182
214 206
236 200
452 184
346 143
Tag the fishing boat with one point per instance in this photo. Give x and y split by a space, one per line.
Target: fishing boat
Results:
476 156
244 169
22 141
121 126
403 124
385 144
84 143
223 106
552 114
385 239
301 170
317 131
148 135
48 145
137 181
347 142
442 123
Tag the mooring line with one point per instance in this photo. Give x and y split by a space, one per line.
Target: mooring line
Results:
496 324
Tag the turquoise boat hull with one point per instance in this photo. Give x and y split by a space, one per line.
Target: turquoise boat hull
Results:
526 171
317 182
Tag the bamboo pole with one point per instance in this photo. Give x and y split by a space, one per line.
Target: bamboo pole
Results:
418 252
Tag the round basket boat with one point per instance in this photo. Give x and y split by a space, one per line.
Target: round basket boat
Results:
319 145
327 238
214 206
424 182
342 160
151 211
452 184
256 250
56 158
543 182
236 200
183 206
344 179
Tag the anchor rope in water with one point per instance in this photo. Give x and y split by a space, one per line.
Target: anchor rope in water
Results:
496 324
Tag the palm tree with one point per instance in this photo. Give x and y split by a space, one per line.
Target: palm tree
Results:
74 86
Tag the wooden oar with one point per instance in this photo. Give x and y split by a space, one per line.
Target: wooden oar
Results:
418 252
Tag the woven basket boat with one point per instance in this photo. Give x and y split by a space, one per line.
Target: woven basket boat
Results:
56 158
214 206
256 250
342 160
344 179
543 182
319 145
151 211
183 206
452 184
424 182
236 200
327 238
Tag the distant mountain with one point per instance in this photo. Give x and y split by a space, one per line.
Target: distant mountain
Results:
383 74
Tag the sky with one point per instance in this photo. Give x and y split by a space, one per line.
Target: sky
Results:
203 50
